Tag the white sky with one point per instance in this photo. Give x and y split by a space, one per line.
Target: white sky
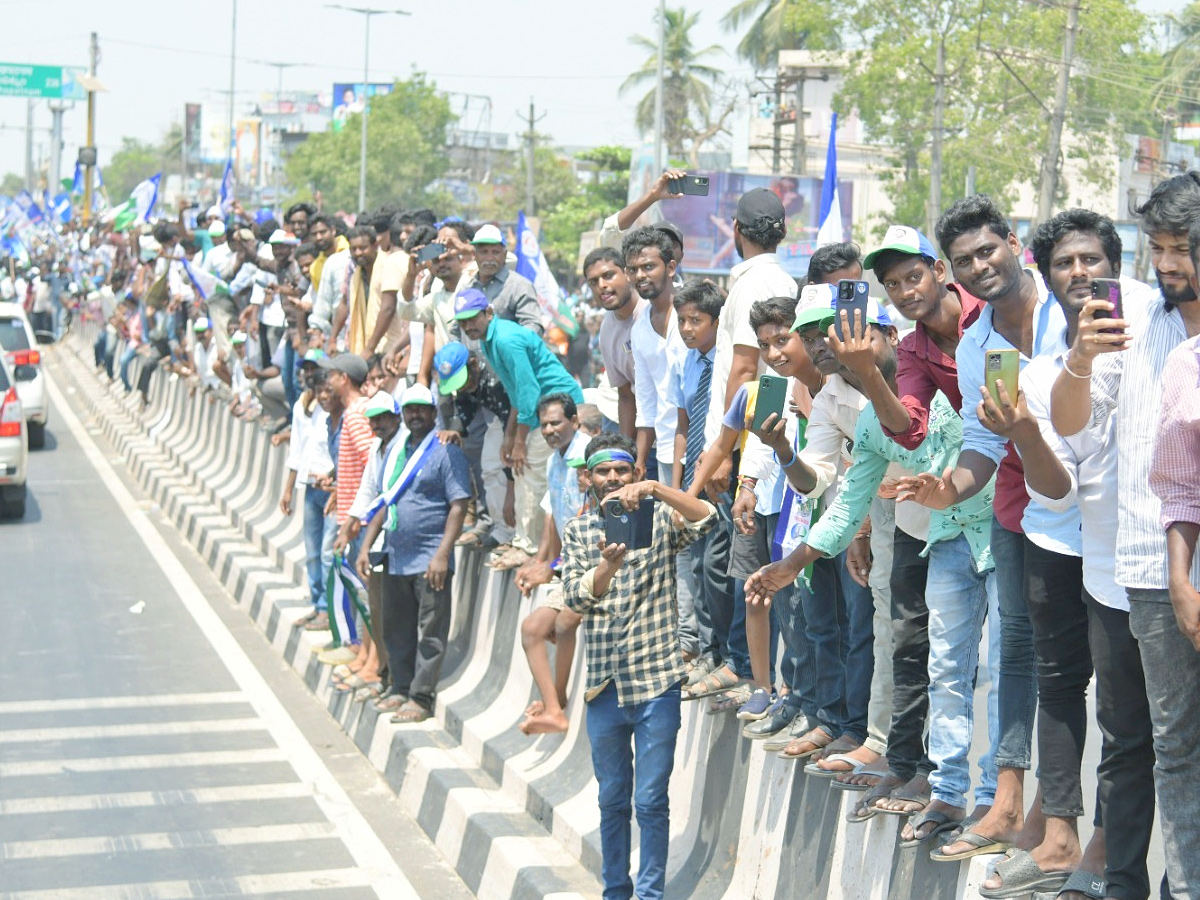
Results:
569 56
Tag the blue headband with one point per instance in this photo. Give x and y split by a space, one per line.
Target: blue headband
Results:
603 456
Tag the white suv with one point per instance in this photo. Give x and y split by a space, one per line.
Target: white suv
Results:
19 346
14 451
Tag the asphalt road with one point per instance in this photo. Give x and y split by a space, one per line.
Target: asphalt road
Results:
152 745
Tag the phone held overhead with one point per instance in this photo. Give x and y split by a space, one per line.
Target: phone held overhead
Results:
692 185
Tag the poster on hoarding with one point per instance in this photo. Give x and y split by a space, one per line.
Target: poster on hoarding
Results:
349 99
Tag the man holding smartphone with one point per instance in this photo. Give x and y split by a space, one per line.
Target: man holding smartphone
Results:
634 662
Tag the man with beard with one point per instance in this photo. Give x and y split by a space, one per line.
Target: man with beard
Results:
512 296
297 218
1117 365
329 271
604 271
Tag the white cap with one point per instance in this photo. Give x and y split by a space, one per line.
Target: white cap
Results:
216 229
279 236
238 337
417 394
488 234
214 212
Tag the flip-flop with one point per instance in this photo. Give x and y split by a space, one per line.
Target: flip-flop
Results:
714 682
909 797
941 824
1021 876
980 846
820 771
867 805
729 701
1087 883
811 737
865 770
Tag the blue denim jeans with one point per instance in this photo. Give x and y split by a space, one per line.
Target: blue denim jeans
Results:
290 373
796 669
824 621
1018 685
633 753
127 358
959 599
858 649
320 531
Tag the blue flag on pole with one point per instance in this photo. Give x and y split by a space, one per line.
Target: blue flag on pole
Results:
62 207
32 211
832 230
228 186
77 181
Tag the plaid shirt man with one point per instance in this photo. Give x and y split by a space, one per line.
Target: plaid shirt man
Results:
633 629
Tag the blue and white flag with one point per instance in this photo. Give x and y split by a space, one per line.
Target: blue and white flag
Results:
140 205
832 230
402 480
228 188
344 594
77 181
206 283
531 263
32 211
61 207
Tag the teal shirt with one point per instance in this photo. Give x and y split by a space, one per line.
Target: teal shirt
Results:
873 451
526 368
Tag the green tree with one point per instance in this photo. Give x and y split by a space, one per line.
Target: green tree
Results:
585 208
782 25
554 180
1175 91
406 151
688 80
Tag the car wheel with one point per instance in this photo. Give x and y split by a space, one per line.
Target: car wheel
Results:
37 435
12 503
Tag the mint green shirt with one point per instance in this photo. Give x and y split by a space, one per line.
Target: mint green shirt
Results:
873 451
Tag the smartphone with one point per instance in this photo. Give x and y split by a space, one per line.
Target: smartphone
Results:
772 394
851 296
693 185
1107 289
634 529
430 252
190 218
1002 365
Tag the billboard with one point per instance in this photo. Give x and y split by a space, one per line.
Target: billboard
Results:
707 222
247 151
350 97
191 131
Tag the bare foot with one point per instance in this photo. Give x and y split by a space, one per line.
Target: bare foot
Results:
842 744
544 723
871 799
911 797
535 708
1059 851
908 833
863 755
998 825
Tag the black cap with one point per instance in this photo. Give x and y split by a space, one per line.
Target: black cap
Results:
671 230
350 364
758 204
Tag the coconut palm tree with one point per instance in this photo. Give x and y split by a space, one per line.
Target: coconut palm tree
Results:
688 80
1176 91
782 25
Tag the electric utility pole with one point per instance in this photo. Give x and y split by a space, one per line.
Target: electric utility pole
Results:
1048 183
530 148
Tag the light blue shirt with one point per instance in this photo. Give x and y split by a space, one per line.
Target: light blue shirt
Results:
563 498
685 377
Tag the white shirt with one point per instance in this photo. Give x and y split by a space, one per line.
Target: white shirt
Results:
653 358
308 448
758 278
203 358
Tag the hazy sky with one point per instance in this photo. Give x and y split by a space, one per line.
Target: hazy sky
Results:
570 57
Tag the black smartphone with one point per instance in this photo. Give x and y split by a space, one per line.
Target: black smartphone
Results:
851 296
772 394
693 185
1107 289
634 529
430 252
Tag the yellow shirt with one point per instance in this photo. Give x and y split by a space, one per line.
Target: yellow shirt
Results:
314 271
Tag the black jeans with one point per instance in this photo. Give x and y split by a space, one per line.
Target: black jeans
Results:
906 751
416 625
1125 791
1054 593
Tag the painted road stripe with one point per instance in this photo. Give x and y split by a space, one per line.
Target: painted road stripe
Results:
377 867
141 729
167 840
146 761
75 704
139 799
319 880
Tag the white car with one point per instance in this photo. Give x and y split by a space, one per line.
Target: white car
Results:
14 446
20 347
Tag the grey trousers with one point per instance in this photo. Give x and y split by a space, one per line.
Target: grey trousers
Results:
416 625
1172 668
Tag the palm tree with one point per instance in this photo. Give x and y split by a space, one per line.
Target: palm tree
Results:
781 25
687 80
1176 92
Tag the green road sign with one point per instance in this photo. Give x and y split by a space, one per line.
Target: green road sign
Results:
54 82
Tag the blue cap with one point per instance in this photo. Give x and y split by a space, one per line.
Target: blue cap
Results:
470 303
450 363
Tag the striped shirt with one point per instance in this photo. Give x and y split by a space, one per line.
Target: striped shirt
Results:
354 451
1175 470
1132 381
633 628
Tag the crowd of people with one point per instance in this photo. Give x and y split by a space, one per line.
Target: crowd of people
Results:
827 572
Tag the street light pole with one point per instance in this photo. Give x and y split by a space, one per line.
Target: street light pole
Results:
279 67
366 12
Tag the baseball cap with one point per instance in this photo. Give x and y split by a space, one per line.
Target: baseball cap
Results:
216 229
818 308
238 337
279 236
417 395
201 324
450 363
470 303
902 239
214 212
756 204
488 234
381 402
313 355
671 230
349 364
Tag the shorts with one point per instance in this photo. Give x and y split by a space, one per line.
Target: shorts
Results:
750 552
551 597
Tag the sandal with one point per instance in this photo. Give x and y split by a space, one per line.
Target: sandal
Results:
819 771
870 771
715 682
980 846
469 539
410 714
806 745
730 700
865 808
941 824
1087 883
922 797
1020 876
368 692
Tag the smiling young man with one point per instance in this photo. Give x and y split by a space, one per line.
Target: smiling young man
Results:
1117 366
634 664
604 271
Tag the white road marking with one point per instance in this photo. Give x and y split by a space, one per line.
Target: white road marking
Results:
238 793
319 880
168 840
377 867
139 729
28 768
74 704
